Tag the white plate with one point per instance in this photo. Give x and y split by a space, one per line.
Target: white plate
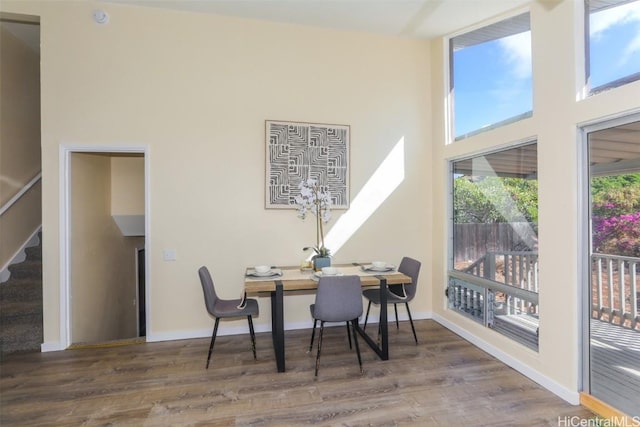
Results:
320 274
265 274
383 269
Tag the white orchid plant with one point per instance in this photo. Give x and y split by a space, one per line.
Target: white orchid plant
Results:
313 199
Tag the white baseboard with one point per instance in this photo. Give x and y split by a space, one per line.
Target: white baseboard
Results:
231 330
202 333
51 346
570 396
244 329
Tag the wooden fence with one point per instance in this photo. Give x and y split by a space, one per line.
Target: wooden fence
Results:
473 241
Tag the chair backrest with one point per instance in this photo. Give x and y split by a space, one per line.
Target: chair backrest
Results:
210 296
338 299
411 268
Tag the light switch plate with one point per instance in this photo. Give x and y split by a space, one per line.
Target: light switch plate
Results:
169 254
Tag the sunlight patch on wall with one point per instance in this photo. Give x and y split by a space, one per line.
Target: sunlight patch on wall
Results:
382 183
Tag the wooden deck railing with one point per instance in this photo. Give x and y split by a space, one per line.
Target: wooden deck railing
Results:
500 291
497 284
518 269
615 286
615 293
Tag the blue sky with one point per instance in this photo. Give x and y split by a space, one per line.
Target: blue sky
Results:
493 79
615 43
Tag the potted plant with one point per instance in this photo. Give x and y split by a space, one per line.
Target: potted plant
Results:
314 199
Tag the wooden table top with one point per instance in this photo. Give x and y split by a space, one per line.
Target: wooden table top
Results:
293 278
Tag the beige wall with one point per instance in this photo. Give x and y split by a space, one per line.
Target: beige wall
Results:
557 65
19 142
196 91
127 185
103 280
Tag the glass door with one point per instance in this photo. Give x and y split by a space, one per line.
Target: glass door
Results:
613 368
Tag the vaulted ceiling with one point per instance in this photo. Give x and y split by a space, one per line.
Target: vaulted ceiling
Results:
412 18
614 150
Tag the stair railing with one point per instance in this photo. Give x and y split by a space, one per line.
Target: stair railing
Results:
19 253
20 193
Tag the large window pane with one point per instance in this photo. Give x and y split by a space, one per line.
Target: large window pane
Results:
491 66
614 43
494 275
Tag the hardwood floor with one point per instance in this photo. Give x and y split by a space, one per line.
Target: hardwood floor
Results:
442 381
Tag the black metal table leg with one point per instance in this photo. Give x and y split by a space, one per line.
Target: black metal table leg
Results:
277 324
383 350
384 324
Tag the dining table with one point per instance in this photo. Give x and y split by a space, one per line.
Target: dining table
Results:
281 280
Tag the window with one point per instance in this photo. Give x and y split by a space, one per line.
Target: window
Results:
613 43
493 277
491 76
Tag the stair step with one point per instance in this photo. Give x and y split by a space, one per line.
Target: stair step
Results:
26 270
20 337
34 253
14 309
21 305
23 290
24 320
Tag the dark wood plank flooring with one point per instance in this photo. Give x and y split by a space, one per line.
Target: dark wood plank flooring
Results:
442 381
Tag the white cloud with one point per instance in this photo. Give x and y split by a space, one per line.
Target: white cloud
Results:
517 52
600 22
632 48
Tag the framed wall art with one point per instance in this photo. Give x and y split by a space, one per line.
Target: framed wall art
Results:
297 151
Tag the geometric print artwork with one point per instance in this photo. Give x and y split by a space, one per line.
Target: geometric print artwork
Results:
298 151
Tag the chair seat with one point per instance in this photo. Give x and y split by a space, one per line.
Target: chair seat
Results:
373 295
229 308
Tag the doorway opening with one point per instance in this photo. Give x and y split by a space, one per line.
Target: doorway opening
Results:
104 210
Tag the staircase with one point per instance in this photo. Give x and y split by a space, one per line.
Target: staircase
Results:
21 305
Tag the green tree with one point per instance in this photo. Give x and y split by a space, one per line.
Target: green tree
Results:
495 199
615 195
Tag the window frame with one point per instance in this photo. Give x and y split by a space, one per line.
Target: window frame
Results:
448 49
622 81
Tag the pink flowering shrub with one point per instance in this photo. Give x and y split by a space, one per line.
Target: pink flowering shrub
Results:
617 235
616 214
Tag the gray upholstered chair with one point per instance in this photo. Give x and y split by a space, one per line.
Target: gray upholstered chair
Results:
398 294
338 299
220 308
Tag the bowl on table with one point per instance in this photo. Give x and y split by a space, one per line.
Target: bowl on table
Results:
329 271
379 265
262 269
